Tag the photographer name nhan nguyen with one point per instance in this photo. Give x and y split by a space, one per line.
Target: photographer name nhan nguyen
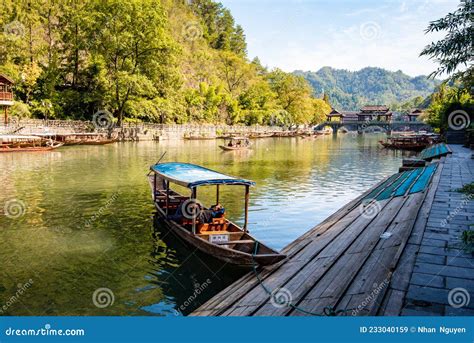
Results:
441 329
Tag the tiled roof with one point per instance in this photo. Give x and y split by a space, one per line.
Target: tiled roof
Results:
375 108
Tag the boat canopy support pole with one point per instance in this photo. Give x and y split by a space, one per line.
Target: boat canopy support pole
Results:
193 198
247 198
154 186
167 196
217 194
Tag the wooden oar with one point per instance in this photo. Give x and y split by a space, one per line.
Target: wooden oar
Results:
163 155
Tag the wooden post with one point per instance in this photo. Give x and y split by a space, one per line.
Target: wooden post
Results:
217 194
6 115
167 196
154 186
247 198
193 198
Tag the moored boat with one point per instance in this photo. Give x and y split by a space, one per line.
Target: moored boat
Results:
88 138
206 229
236 143
193 137
414 142
24 143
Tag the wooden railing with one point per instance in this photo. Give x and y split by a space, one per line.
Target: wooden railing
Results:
6 96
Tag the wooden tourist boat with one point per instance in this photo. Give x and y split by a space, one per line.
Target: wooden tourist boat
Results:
324 132
235 143
409 142
206 229
192 137
89 138
19 143
255 135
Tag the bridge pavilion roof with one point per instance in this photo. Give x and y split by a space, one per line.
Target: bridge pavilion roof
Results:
375 108
415 112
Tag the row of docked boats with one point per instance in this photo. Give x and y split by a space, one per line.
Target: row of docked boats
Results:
256 135
411 141
47 141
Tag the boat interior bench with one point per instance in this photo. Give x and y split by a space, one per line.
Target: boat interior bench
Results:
233 236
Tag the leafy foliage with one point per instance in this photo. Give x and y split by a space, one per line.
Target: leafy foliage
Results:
447 100
454 51
162 61
467 189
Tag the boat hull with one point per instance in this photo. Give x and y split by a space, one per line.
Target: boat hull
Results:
199 138
220 252
29 149
228 148
104 142
223 254
412 147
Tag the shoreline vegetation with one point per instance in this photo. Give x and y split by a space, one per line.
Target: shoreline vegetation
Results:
186 62
144 60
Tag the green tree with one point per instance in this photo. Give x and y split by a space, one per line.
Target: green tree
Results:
294 96
235 72
445 101
320 109
132 40
454 52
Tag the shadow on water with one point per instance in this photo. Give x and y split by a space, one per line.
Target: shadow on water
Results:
188 277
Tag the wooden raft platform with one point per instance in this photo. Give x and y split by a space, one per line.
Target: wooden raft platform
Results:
435 151
356 262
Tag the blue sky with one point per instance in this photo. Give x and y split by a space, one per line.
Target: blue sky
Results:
346 34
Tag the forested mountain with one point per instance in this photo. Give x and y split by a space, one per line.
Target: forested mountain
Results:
351 90
165 61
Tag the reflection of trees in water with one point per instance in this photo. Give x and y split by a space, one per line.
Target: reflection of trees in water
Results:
61 190
183 274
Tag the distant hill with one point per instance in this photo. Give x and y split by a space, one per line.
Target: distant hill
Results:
351 90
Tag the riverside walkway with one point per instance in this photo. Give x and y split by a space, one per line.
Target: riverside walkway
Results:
395 250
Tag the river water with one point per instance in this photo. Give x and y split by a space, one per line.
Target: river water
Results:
77 235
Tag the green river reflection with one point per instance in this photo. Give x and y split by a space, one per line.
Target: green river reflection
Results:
88 218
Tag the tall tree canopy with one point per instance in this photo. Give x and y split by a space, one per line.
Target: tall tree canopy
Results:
162 61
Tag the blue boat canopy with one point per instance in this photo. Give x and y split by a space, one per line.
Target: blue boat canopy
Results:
191 175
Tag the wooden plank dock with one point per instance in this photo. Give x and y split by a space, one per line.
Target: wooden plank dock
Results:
357 262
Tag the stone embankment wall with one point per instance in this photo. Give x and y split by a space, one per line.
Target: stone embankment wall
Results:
131 131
